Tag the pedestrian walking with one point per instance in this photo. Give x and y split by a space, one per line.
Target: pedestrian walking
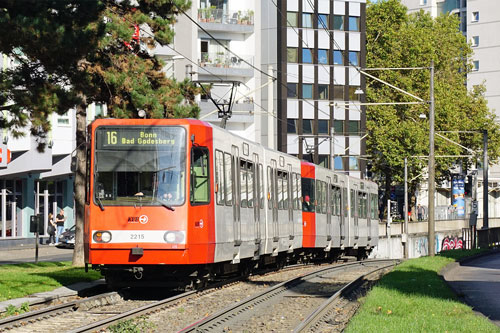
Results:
51 230
60 219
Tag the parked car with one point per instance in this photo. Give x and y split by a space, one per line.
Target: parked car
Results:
67 238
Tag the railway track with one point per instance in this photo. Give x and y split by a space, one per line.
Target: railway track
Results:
101 311
245 311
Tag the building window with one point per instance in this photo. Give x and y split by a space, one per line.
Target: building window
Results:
353 163
423 2
307 21
291 90
307 91
353 23
323 161
354 93
475 65
353 127
338 127
307 126
354 58
475 41
322 56
291 126
63 119
338 22
292 54
322 126
322 21
338 58
291 18
307 56
322 91
338 164
475 16
338 92
99 110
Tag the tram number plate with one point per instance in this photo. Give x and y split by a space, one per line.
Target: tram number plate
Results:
137 236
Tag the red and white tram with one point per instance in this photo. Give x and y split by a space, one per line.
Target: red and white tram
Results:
180 200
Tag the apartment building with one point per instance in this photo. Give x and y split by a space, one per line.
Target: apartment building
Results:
479 22
229 78
319 87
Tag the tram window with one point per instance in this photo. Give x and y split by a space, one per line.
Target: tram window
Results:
87 179
228 177
250 184
353 203
261 186
308 194
324 203
331 203
294 191
280 190
243 184
285 190
200 184
362 205
219 176
345 202
299 192
269 187
373 206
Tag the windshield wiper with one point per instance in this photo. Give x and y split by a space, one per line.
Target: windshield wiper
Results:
100 203
164 204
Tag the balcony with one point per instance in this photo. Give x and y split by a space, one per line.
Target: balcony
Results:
222 64
213 19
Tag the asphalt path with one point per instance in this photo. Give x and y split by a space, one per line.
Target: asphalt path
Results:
45 253
478 281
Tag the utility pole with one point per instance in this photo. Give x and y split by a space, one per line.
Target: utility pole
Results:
485 179
405 236
432 183
270 110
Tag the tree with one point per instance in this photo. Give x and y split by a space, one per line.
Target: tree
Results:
396 39
73 53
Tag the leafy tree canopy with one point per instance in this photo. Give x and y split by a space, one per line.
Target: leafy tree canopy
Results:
396 39
66 50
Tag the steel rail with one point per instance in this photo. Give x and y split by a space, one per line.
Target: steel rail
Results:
212 322
13 321
324 309
131 313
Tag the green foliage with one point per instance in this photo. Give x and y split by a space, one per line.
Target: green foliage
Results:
12 310
395 39
77 52
414 298
25 279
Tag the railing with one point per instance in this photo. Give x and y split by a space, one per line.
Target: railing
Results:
213 15
224 60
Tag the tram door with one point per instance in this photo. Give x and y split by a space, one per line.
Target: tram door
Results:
274 199
235 165
355 209
343 210
289 198
329 200
256 197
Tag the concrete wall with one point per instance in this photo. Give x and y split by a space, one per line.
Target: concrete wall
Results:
390 243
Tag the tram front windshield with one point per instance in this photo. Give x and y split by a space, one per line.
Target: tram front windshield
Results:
143 165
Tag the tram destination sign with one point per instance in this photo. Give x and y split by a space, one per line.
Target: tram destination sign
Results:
124 138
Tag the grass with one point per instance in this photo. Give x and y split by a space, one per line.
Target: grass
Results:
414 298
20 280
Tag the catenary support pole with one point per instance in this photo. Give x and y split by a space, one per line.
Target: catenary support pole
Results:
432 183
485 180
406 210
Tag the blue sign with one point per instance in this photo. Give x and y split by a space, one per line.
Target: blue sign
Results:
458 195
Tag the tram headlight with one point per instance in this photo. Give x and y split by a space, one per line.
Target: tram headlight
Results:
102 237
176 237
